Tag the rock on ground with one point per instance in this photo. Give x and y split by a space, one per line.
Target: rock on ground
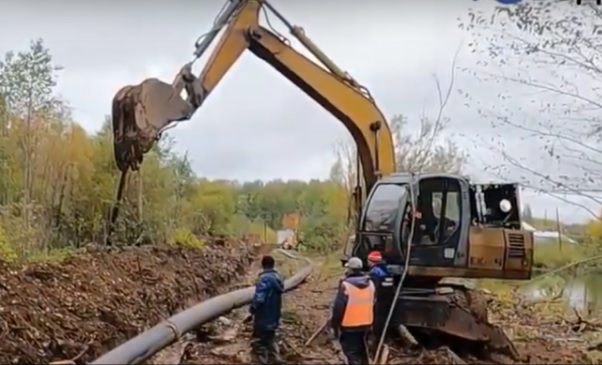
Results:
91 302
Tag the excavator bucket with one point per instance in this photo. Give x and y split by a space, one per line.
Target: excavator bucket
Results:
468 319
456 313
139 114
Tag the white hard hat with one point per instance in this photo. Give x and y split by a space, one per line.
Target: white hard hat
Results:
354 263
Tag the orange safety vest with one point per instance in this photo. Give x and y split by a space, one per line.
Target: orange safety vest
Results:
360 305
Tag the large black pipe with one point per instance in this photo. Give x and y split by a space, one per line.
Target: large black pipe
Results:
148 343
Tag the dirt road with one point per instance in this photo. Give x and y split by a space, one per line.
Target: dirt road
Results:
540 339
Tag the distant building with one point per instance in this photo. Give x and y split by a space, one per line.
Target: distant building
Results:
286 238
546 237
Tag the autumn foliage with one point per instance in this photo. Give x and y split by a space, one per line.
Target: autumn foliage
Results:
58 180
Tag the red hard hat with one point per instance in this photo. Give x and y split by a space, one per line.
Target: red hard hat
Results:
375 256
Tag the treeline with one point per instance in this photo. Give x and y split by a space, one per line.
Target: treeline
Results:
72 182
57 181
72 186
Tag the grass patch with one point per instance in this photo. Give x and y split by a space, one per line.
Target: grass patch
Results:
329 265
184 237
552 256
325 265
287 266
291 317
50 255
498 286
53 255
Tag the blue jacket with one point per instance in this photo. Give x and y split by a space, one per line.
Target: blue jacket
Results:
379 272
358 280
267 301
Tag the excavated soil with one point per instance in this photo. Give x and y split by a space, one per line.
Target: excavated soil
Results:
98 299
88 304
540 338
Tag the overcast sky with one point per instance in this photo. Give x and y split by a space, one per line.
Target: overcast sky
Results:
256 125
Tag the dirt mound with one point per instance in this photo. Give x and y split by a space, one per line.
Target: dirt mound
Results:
540 336
97 299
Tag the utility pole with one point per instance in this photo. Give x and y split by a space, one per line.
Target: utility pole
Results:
558 229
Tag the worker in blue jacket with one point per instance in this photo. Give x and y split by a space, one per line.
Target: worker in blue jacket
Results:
266 309
378 267
353 312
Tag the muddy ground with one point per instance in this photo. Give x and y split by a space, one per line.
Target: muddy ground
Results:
551 338
90 303
98 299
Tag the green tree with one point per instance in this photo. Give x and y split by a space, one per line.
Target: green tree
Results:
57 182
27 80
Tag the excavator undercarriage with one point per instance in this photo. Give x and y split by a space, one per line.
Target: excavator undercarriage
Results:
455 316
438 217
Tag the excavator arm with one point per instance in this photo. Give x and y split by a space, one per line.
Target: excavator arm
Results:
142 111
358 113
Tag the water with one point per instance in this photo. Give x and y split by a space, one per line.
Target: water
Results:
583 292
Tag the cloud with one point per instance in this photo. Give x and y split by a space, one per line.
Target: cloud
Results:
256 125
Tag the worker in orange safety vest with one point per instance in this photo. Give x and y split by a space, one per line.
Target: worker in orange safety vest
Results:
353 312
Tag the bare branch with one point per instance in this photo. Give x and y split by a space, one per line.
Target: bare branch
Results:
443 101
544 61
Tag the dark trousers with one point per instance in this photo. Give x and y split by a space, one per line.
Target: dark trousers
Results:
354 347
265 346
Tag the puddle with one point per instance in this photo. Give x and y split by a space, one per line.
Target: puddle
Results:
582 292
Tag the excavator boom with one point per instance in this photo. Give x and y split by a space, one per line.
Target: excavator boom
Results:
337 92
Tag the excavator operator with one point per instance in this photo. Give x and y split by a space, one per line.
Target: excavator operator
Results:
353 312
429 218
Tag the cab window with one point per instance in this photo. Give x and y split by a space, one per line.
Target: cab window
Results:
383 207
439 206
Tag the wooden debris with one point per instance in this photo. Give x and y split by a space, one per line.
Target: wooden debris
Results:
185 353
406 336
72 361
456 360
321 329
384 356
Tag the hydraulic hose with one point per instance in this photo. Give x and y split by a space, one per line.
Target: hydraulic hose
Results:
401 280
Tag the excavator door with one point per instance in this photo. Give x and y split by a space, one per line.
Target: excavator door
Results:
442 220
439 208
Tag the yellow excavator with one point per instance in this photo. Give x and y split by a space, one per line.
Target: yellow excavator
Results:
428 226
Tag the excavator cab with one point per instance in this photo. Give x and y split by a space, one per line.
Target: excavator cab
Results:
451 227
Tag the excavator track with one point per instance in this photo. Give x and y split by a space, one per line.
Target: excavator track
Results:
450 314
